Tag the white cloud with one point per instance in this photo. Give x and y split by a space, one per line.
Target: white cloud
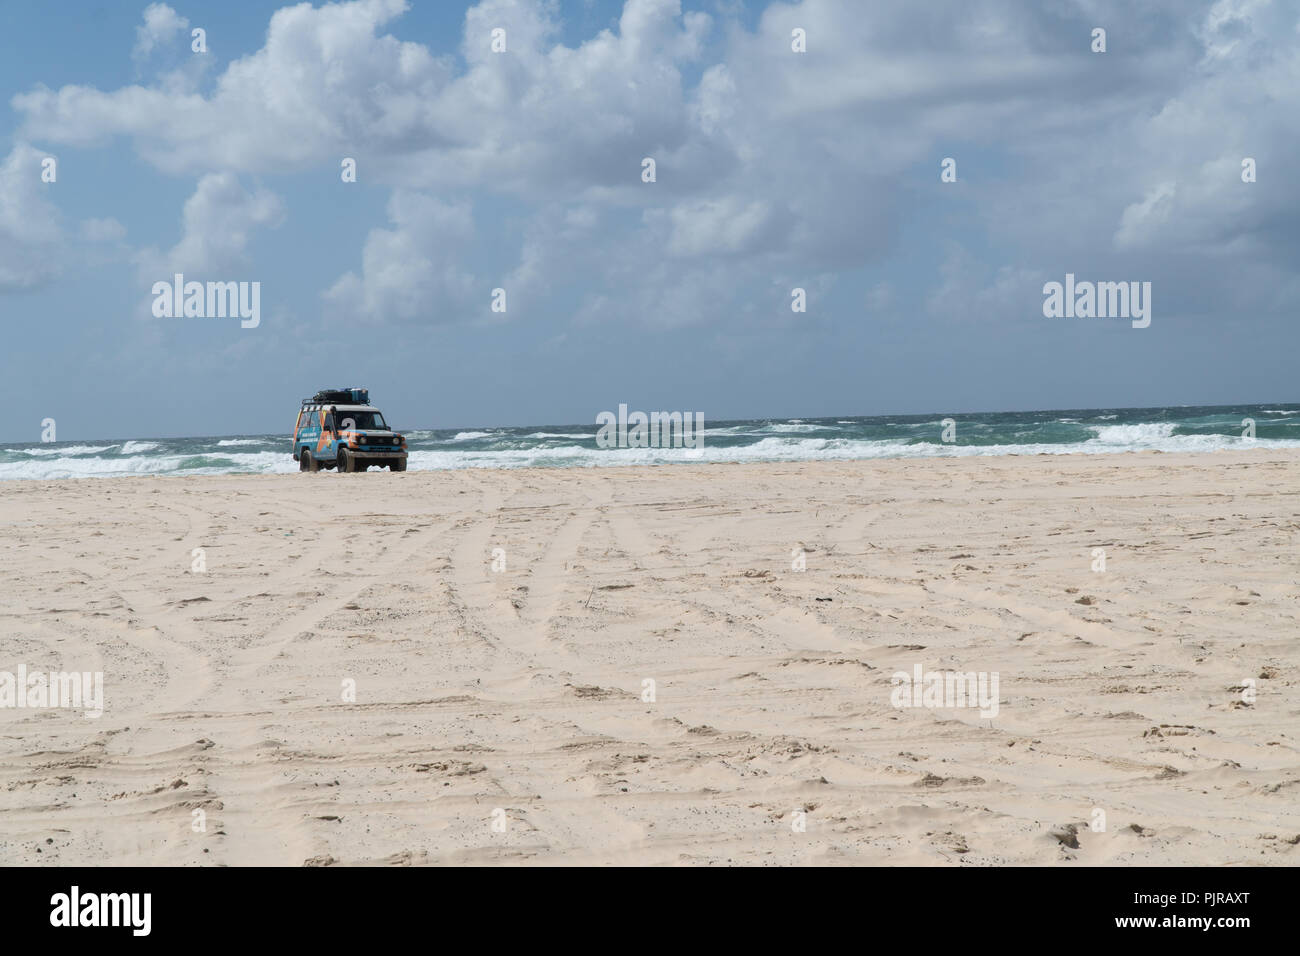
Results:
322 82
329 83
770 163
727 226
1148 216
217 225
162 25
412 271
30 237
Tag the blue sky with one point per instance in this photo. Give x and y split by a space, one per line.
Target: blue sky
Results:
522 170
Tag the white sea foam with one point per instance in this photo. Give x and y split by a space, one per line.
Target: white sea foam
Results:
218 456
470 436
138 447
1140 434
258 463
64 451
799 449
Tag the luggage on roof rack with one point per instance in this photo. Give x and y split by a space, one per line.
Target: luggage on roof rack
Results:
343 396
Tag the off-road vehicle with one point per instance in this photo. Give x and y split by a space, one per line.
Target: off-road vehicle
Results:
339 428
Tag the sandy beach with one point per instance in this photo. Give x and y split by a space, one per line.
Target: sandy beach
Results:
501 630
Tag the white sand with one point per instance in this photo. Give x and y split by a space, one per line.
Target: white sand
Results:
520 690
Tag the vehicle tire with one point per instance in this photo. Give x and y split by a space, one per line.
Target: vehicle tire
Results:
345 461
398 464
308 462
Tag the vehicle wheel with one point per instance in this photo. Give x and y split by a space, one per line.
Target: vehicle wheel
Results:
307 462
397 465
345 461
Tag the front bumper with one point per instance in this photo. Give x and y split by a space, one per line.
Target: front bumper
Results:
376 455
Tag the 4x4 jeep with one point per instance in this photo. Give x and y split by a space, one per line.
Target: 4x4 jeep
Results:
339 428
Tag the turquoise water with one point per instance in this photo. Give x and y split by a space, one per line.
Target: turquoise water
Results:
1070 431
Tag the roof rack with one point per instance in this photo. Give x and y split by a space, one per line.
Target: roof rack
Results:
340 396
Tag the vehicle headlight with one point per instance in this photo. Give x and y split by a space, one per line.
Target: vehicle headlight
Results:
397 441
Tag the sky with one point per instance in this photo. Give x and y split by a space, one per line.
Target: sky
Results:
522 169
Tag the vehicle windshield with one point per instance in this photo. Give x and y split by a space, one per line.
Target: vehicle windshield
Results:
352 421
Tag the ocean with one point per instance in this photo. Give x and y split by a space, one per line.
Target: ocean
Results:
845 437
